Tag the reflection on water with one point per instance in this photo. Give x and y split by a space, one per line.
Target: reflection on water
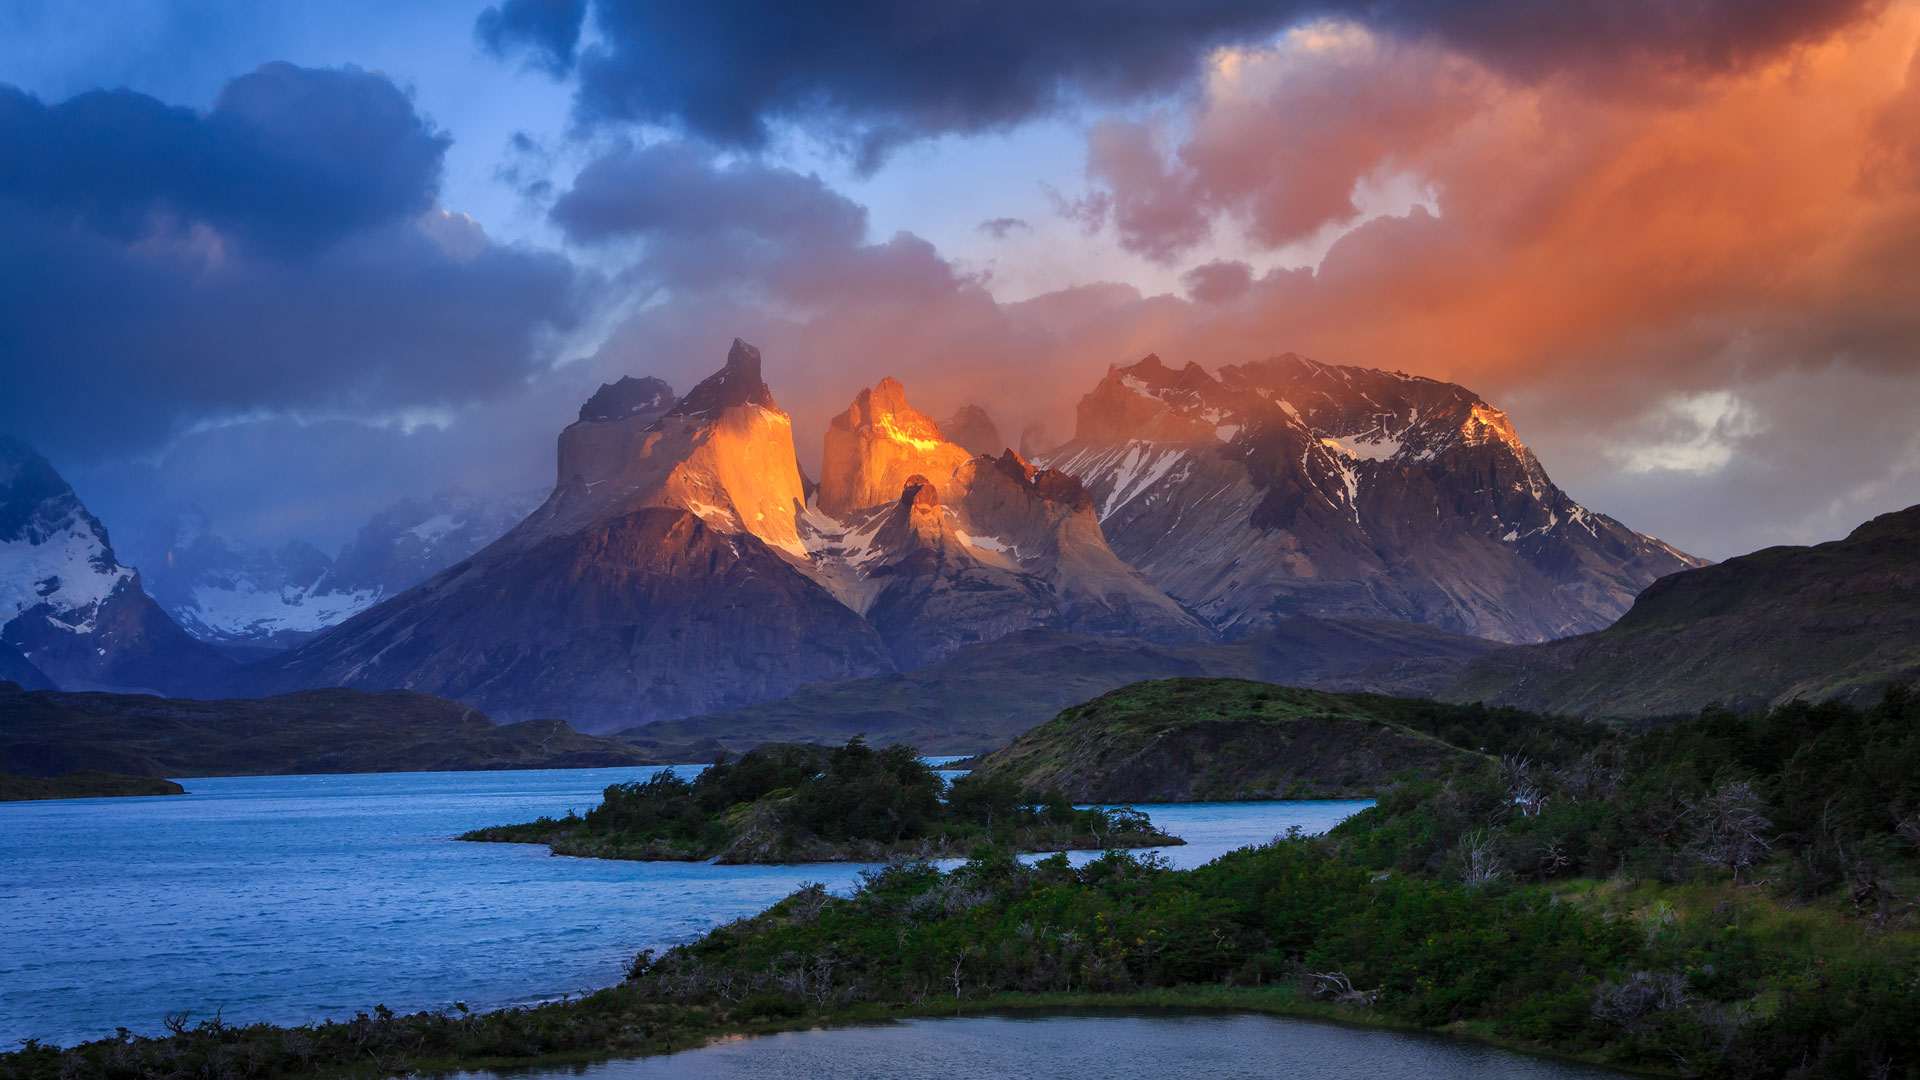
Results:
295 898
1206 1046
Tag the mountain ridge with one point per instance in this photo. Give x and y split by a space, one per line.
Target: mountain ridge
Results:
1833 620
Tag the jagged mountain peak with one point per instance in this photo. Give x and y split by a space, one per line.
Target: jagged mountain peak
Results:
872 447
1148 400
971 429
626 398
1052 485
737 383
67 604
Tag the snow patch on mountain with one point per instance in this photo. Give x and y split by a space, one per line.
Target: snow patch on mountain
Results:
70 570
245 610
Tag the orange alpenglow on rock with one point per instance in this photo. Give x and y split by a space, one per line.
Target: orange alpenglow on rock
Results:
873 448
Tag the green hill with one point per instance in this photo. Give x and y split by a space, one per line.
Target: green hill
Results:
1202 740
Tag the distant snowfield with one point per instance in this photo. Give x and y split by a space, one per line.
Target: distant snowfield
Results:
244 609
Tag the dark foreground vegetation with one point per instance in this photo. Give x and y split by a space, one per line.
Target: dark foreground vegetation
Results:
1729 897
82 784
796 802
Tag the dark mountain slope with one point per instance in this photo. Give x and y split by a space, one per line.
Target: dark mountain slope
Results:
1836 620
985 694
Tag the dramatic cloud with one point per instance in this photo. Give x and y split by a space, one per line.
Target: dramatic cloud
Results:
876 73
548 31
1635 276
161 267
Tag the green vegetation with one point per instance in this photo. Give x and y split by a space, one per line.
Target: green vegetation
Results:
1180 740
1726 897
1723 897
786 803
83 784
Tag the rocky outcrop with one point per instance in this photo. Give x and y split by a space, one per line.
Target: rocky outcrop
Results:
627 398
875 445
1836 620
1289 487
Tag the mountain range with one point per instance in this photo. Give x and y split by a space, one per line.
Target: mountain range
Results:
683 565
1288 487
252 601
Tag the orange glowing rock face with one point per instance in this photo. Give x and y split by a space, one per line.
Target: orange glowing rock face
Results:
744 477
877 445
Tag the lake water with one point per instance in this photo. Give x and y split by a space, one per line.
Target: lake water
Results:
295 898
1216 1046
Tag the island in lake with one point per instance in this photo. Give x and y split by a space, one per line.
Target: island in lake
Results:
798 802
83 784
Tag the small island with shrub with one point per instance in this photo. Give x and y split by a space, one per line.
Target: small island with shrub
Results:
793 803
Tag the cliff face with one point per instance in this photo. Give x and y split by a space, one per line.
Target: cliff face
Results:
1836 620
1289 487
939 548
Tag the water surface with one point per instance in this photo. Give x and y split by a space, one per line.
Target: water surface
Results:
1205 1046
296 898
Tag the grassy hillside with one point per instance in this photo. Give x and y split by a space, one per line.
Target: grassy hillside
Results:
985 694
1181 740
1837 620
83 784
46 733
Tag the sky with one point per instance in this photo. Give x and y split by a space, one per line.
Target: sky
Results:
290 262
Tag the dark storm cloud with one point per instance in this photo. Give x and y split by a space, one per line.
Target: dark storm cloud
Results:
876 72
548 31
741 227
288 157
161 267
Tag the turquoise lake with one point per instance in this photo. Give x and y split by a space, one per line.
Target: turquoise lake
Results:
295 898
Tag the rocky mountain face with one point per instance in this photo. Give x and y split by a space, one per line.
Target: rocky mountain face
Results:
663 576
940 548
252 601
1289 487
682 565
1836 620
68 609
